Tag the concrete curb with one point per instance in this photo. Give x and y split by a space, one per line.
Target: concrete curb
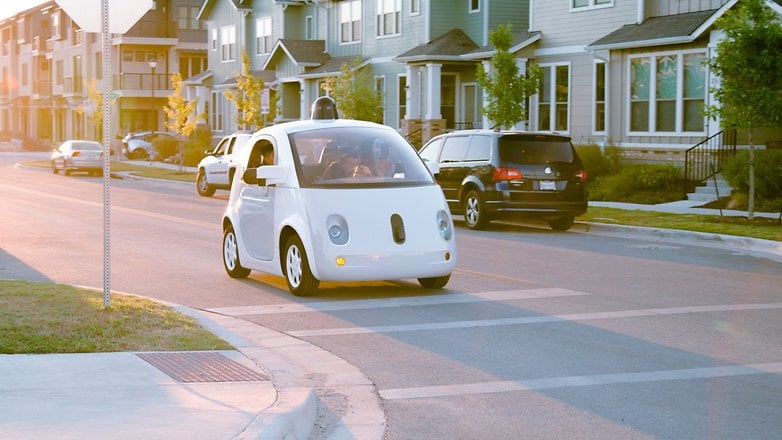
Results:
766 248
291 417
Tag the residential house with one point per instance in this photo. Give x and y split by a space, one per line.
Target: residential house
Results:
48 66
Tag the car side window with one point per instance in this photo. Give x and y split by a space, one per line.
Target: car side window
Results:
230 145
455 149
430 150
479 149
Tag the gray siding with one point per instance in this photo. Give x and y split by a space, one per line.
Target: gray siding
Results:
673 7
557 23
515 13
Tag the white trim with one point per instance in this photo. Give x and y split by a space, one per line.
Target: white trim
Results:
590 7
552 99
561 50
470 10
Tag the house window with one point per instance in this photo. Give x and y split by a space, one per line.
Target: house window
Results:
350 21
475 5
214 39
187 18
667 93
216 116
402 95
263 35
599 111
308 31
388 14
554 98
228 43
590 4
415 7
56 26
59 72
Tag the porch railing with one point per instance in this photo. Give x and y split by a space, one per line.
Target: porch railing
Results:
707 158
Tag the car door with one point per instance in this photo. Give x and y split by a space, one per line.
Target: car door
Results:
256 217
452 171
218 172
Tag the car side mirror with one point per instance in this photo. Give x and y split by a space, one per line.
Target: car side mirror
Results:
271 174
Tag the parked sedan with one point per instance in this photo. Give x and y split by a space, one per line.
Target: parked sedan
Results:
78 155
139 145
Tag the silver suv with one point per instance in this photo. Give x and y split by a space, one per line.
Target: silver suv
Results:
491 174
216 170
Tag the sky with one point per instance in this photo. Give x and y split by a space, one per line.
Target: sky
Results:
11 7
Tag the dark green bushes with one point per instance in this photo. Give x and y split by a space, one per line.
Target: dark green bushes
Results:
768 178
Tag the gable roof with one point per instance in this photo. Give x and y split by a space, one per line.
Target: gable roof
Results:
656 31
448 46
520 41
332 67
207 6
307 53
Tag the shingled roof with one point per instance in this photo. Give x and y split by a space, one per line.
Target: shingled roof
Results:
448 46
520 41
669 29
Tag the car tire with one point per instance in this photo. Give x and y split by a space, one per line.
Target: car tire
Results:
561 223
475 215
296 268
66 170
231 255
202 186
54 168
434 282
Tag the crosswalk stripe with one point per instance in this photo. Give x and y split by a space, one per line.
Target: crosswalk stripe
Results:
534 319
457 298
579 381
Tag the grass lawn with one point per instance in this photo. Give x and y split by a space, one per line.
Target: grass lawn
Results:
760 227
51 318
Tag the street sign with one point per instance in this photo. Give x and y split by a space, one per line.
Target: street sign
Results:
123 14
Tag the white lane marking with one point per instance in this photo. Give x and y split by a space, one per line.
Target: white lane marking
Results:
503 295
215 225
533 319
579 381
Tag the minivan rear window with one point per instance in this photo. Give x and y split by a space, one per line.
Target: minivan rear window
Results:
535 151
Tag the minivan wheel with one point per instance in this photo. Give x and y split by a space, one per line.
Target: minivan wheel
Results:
561 223
231 255
434 282
296 268
203 187
474 214
54 168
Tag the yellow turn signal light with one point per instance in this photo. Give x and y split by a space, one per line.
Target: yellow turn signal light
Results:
340 261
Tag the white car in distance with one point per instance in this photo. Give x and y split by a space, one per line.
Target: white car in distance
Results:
216 170
343 200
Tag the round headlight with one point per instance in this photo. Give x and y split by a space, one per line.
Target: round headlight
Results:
444 225
335 231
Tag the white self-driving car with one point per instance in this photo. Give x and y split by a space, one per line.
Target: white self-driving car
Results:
342 200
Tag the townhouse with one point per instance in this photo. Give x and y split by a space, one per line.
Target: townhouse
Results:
48 66
629 73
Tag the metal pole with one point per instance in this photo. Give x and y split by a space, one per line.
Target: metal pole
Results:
106 155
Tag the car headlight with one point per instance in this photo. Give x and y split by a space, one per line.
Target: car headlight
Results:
337 229
444 225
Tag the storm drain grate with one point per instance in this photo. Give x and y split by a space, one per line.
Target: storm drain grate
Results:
201 367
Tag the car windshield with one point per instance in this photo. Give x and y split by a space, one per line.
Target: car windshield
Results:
91 146
351 156
534 151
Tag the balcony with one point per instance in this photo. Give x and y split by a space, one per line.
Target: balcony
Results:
141 84
42 89
74 85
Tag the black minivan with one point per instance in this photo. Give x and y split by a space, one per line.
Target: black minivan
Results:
488 174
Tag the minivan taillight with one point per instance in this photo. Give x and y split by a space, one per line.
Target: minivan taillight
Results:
581 175
501 174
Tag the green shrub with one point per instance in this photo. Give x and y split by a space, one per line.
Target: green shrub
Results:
165 146
639 183
768 173
198 142
599 162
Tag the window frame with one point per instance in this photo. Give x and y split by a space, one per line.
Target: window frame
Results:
263 33
653 99
380 18
228 43
591 5
473 6
552 101
353 23
595 89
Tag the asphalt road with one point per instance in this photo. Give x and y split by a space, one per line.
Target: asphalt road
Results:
539 334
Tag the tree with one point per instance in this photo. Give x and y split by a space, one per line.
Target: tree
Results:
507 89
749 66
355 93
93 106
181 113
247 98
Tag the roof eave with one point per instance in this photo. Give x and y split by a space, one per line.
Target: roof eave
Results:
643 43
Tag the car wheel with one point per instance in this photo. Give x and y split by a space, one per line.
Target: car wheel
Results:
474 214
203 187
66 170
561 223
434 282
231 255
300 280
54 168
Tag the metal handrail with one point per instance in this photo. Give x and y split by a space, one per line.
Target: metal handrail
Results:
707 158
